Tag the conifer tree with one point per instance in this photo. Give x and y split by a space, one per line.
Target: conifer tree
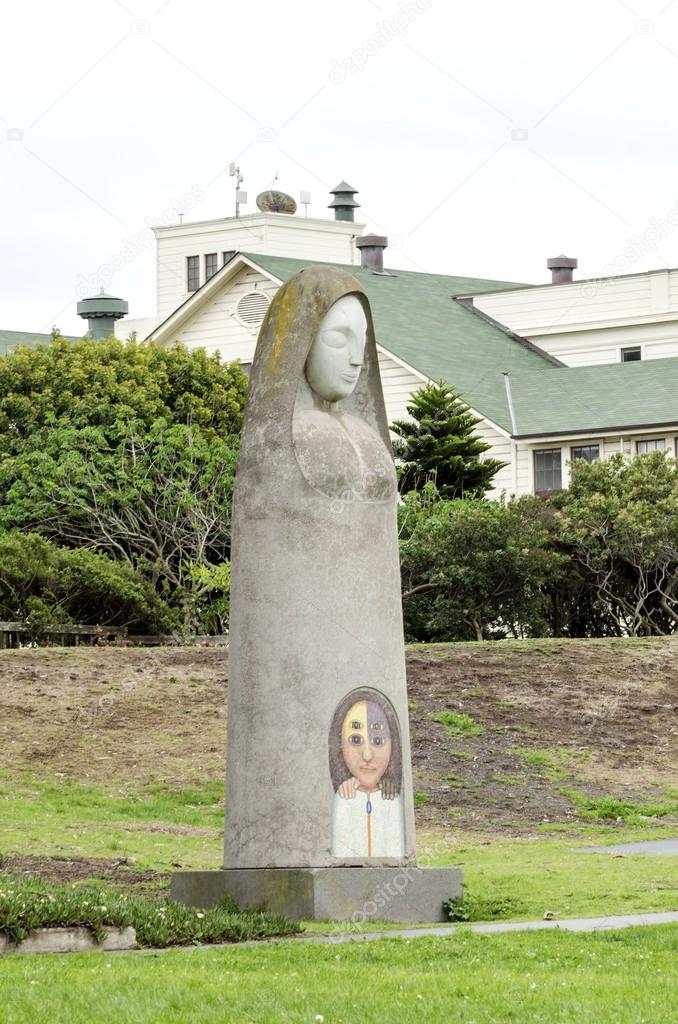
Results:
438 444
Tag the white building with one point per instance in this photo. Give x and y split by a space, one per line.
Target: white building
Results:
555 372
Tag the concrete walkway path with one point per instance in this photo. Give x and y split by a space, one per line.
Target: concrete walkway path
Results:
653 848
573 924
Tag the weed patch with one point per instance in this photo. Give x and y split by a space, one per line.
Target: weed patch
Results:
474 907
610 808
458 725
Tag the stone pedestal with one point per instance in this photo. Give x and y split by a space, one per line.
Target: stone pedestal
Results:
358 894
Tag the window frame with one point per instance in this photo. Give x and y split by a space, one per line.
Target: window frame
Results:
214 256
192 273
625 349
545 492
652 441
579 447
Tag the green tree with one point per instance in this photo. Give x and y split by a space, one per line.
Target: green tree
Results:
41 583
619 522
474 569
128 450
439 445
110 384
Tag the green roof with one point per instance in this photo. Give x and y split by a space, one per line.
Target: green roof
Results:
417 319
10 339
588 399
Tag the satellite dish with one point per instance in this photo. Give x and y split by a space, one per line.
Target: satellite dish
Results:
273 201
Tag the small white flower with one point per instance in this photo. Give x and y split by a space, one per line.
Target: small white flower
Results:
199 915
319 1017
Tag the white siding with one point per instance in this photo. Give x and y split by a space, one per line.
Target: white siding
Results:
608 446
141 325
215 326
398 384
591 347
502 448
531 310
272 234
589 322
524 469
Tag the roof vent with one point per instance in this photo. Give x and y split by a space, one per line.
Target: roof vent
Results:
343 203
561 268
252 308
101 311
372 252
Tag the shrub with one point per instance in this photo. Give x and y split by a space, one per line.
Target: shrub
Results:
27 905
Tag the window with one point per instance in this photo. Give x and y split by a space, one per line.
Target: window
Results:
655 444
588 452
227 256
210 265
631 355
192 273
548 475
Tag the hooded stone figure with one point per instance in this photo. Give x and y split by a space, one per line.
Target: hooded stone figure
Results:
315 599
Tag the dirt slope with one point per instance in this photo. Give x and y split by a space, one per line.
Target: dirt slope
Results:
598 716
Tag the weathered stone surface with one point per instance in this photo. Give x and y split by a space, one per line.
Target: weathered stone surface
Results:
315 600
70 940
319 803
405 893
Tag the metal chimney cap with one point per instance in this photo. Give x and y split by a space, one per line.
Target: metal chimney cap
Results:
343 186
371 241
562 263
343 198
102 305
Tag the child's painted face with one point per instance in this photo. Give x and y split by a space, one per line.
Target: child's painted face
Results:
366 743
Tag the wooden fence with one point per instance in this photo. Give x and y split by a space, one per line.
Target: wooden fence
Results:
19 634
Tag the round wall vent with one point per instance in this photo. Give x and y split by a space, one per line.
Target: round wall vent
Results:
251 308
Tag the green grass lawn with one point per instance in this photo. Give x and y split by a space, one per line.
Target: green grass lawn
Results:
505 878
626 977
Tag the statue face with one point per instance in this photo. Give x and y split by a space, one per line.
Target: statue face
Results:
366 743
336 357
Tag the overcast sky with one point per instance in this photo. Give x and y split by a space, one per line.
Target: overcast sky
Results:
483 138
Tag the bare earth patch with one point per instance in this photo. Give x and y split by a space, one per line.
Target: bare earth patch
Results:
603 711
85 869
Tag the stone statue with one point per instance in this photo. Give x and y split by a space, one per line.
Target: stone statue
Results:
316 610
319 806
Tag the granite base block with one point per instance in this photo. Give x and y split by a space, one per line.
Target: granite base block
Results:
356 894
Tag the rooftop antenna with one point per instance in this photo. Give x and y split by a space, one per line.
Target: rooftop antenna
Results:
240 196
305 200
